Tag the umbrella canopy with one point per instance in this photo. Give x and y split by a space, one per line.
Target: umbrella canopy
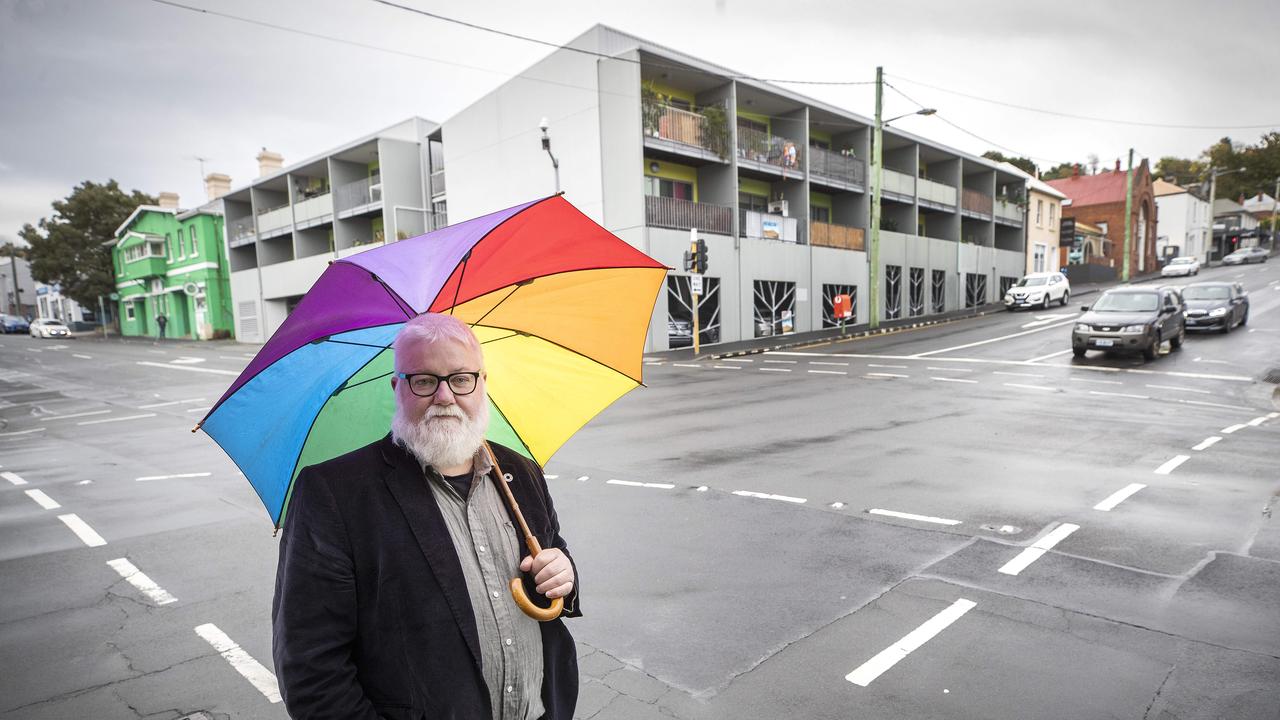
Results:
560 304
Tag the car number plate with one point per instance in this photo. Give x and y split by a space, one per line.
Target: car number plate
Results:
1104 343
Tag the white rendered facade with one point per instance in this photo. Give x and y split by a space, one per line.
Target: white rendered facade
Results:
1183 224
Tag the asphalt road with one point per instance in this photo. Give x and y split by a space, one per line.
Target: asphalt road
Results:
908 525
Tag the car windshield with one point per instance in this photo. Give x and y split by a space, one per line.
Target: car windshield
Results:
1239 253
1205 293
1030 281
1127 302
1182 261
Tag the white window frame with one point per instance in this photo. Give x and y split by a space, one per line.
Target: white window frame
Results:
1039 213
195 245
130 311
1040 253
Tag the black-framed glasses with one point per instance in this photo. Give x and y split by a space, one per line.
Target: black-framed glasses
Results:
426 384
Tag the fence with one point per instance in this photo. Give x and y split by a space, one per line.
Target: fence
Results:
678 214
837 236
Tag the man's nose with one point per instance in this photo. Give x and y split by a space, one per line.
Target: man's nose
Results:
443 395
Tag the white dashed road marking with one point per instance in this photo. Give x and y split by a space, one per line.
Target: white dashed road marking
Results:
1096 382
1172 464
170 366
954 380
1231 429
118 419
828 372
838 364
1001 372
685 365
1040 547
1180 389
1118 497
1029 387
767 496
782 362
13 478
170 477
139 580
632 483
899 367
82 530
884 375
250 669
1207 443
910 516
890 656
22 432
75 415
1127 395
1257 421
775 369
42 500
948 369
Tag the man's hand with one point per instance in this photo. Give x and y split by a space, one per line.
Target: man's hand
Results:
552 572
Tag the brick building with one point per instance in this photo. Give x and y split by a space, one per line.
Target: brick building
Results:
1100 199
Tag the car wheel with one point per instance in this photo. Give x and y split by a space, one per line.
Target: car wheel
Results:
1078 352
1176 341
1149 352
1244 319
1045 305
1066 295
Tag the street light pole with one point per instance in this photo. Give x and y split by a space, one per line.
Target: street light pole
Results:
873 252
1213 193
546 145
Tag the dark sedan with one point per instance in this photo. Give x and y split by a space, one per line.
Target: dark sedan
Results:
1216 306
1129 320
13 324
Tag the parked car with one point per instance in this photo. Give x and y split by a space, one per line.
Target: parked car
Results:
1181 266
1246 255
1038 290
14 324
1216 305
1131 319
45 328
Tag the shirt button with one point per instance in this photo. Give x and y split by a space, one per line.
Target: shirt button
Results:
508 641
510 689
495 593
481 548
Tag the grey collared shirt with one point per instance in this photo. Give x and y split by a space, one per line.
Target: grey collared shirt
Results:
489 548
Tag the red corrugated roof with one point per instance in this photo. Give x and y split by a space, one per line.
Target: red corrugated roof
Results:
1106 187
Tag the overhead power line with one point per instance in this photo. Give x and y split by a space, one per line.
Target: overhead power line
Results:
1090 118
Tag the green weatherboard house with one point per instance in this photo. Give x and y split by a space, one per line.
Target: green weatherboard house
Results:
172 262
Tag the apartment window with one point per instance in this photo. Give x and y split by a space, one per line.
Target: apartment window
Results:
1038 256
680 103
1039 212
130 311
168 243
191 235
662 187
820 144
181 249
819 214
1053 215
753 203
747 124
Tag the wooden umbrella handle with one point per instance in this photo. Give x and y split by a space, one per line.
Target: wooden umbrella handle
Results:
518 593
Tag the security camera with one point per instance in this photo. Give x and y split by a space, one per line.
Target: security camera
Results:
543 124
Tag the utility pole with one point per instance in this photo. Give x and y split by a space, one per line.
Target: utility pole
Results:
1275 201
16 307
546 145
1128 217
873 254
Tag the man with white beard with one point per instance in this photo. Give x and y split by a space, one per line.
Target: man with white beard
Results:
391 593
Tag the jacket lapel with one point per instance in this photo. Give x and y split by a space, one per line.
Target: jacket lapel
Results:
405 481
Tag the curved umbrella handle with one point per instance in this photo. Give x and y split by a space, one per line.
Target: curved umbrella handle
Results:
541 614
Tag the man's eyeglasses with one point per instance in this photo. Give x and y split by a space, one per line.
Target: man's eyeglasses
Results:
426 384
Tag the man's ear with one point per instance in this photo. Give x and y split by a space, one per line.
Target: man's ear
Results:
393 382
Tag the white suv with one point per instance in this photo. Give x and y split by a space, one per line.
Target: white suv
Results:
1038 290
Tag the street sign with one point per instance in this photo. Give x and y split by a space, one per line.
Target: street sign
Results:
113 296
695 284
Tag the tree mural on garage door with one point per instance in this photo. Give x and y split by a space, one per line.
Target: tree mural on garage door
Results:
975 289
892 292
938 296
1006 282
915 292
680 311
775 307
829 293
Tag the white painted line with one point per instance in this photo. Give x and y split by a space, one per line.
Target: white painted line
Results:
1118 497
726 367
1273 416
82 530
237 359
35 350
1001 372
171 477
190 368
820 362
187 360
1257 421
703 488
118 419
1030 387
13 478
583 478
1233 428
885 375
741 360
139 580
775 369
1050 355
1172 464
171 402
22 432
1197 376
995 339
685 365
909 516
42 500
632 483
75 415
1209 404
1128 395
782 362
767 496
250 669
1038 548
1214 362
200 409
551 477
892 655
82 357
1180 389
1207 443
1096 382
837 505
954 380
828 372
948 369
899 367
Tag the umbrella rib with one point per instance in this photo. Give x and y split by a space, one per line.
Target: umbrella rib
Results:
461 274
515 333
345 387
495 305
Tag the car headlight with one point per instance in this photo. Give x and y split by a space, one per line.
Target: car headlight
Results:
1217 312
1082 327
1133 329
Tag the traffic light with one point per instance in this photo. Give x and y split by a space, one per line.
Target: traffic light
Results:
700 257
688 260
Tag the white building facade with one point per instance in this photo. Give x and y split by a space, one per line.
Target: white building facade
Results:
1184 224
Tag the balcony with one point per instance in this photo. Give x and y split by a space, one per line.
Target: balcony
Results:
437 184
898 186
678 214
836 236
703 135
313 211
1008 212
275 221
149 266
772 154
241 232
837 169
766 226
936 195
360 196
976 204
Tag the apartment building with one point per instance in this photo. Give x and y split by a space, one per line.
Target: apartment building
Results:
1184 224
652 142
1044 217
284 228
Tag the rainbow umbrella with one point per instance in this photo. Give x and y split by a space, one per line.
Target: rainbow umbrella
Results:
560 304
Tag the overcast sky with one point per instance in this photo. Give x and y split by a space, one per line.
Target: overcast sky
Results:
137 90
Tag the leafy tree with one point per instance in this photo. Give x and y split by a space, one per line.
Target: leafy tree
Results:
70 248
1023 164
1180 171
11 250
1059 171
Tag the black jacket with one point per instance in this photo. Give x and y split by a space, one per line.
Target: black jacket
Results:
371 614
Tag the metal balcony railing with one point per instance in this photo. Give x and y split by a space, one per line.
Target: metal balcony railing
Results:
1008 210
358 193
678 214
836 236
759 146
837 166
241 232
975 201
695 129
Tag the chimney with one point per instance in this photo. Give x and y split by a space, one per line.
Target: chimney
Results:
1117 164
269 162
1075 173
216 185
169 200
